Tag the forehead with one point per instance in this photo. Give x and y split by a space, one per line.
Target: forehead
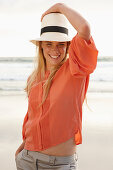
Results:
54 42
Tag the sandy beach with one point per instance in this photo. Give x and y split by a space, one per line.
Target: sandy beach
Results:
95 153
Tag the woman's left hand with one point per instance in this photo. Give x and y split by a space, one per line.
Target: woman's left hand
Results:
54 8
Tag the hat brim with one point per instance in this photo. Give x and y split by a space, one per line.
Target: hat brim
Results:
59 37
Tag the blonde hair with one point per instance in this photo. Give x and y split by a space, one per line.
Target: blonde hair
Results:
38 73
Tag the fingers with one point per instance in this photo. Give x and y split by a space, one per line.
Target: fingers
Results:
45 13
16 154
54 8
43 16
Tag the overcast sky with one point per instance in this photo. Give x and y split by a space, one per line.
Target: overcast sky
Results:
20 21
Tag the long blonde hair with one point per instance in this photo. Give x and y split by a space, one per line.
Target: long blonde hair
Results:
38 73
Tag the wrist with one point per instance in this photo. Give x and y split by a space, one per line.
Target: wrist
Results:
62 8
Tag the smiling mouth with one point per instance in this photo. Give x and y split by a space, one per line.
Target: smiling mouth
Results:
54 57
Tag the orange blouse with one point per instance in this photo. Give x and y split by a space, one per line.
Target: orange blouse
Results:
60 117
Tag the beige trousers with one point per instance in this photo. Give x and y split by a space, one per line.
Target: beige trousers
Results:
31 160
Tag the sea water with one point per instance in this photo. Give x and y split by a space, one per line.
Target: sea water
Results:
14 72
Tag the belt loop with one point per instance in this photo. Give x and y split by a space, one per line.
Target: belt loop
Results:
52 160
76 156
27 152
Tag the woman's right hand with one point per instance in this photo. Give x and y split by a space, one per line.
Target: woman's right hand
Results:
21 147
17 152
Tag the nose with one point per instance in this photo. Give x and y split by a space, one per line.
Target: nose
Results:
55 50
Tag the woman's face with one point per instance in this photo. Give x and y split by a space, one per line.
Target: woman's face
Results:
54 52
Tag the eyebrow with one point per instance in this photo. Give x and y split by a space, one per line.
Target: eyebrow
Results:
51 42
61 42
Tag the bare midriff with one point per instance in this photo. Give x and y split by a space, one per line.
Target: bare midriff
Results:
64 149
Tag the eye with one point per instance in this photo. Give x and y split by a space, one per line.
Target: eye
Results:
61 44
48 44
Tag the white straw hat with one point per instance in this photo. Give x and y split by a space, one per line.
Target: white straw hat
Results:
54 27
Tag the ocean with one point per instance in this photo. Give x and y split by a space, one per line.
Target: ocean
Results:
14 72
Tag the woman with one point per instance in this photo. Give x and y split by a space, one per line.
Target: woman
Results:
56 91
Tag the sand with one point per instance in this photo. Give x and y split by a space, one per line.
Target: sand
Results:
96 151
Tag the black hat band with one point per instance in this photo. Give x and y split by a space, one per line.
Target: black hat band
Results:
54 29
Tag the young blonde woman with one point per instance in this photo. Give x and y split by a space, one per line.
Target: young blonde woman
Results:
56 90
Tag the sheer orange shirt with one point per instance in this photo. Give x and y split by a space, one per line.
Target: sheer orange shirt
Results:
60 117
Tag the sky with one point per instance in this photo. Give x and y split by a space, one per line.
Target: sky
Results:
20 22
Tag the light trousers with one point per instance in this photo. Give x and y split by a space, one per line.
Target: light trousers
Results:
31 160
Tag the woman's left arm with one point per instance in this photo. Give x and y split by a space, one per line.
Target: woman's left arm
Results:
75 19
82 51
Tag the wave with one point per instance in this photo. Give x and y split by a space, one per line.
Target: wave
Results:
16 79
11 89
30 59
16 59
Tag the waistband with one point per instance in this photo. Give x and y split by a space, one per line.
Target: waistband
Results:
51 159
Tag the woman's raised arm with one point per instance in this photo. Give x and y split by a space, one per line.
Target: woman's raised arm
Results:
75 19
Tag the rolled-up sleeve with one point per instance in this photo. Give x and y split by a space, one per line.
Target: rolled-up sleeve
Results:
82 56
